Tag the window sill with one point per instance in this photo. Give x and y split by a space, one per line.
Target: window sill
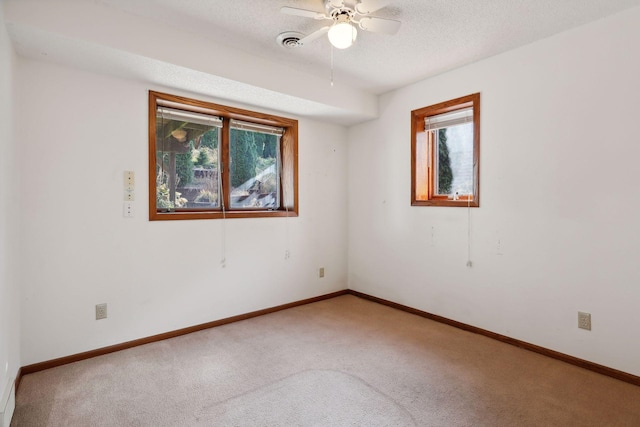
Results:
188 215
450 203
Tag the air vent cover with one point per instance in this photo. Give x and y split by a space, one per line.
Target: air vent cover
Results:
289 39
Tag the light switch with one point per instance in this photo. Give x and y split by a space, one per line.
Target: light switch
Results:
129 182
129 179
128 210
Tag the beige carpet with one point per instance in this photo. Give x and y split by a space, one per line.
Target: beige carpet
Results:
340 362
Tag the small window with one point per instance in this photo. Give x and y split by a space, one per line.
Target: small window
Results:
445 153
212 161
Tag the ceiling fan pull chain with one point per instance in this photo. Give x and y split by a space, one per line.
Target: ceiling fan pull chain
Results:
331 65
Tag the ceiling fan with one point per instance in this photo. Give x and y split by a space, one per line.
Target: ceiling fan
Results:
345 15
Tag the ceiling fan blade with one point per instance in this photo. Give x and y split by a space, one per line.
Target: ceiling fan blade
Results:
365 7
316 34
302 12
379 25
336 3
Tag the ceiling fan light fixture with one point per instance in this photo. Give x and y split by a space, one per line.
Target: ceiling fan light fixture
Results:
342 34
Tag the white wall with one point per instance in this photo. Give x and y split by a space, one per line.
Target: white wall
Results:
9 290
79 131
557 230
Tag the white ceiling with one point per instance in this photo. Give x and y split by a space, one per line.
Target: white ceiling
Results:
227 48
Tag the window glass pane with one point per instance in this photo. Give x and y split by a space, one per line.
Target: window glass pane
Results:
186 163
254 169
423 141
454 154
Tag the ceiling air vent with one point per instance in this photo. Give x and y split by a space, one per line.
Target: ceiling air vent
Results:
289 39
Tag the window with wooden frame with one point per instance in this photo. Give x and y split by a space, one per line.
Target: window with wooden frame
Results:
211 161
445 153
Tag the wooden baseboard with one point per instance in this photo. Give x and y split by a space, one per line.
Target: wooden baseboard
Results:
604 370
29 369
16 383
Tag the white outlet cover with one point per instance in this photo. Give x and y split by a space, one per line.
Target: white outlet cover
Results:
101 311
584 320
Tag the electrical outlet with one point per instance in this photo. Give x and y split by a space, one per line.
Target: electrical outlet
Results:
321 272
101 311
584 320
129 196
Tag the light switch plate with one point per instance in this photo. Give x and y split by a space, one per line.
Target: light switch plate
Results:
128 210
129 182
129 179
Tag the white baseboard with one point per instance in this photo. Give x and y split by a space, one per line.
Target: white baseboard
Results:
7 404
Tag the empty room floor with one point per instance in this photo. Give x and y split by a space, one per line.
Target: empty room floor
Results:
342 361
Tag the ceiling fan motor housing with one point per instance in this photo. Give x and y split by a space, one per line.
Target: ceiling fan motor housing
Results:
339 11
342 15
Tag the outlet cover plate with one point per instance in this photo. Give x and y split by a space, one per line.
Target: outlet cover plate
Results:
584 320
101 311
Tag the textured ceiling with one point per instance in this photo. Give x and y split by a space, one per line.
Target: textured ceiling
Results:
227 48
436 35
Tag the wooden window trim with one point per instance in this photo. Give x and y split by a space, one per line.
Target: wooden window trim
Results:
289 153
417 133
